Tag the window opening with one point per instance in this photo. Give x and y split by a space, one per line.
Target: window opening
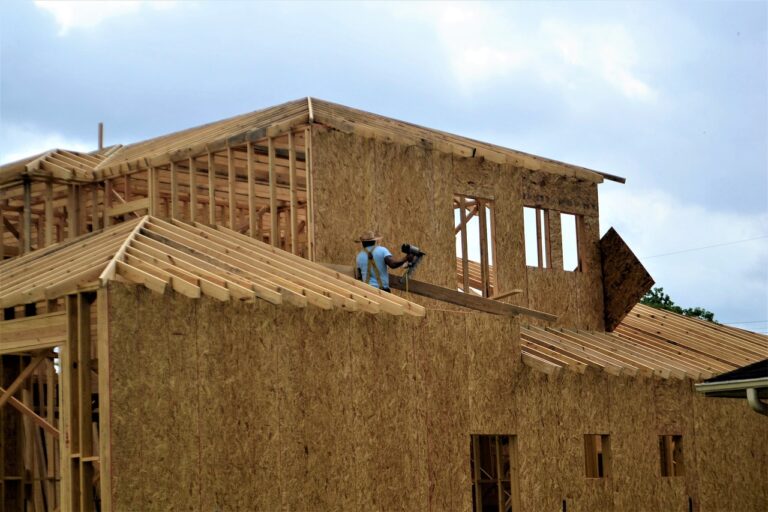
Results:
671 455
597 455
474 221
569 232
536 231
494 470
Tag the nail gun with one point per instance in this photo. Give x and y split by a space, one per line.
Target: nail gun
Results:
417 254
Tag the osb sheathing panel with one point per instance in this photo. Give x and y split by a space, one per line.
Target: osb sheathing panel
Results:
625 279
224 407
406 194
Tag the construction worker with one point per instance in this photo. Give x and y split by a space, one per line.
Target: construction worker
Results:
374 261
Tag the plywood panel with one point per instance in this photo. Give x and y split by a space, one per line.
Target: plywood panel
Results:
625 279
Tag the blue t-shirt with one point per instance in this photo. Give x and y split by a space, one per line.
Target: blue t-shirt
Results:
379 253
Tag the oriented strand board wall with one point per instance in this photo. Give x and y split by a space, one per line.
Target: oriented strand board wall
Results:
406 192
218 406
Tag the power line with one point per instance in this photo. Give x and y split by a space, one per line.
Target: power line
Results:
704 247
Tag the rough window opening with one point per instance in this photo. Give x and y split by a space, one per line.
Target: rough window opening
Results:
597 455
536 229
494 471
671 455
475 233
569 229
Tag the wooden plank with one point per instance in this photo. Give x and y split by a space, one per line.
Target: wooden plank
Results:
48 213
192 189
129 207
16 384
109 272
139 276
252 230
294 214
84 408
68 411
310 194
26 224
539 250
464 244
22 408
274 233
484 259
105 395
174 211
231 181
465 300
211 189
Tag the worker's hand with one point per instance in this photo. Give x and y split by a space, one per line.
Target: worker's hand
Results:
410 257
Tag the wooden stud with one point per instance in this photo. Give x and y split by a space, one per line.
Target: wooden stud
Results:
483 228
2 232
294 214
105 416
310 194
464 244
211 190
539 254
231 180
153 191
174 213
192 189
48 213
274 233
26 231
107 202
252 230
84 408
70 439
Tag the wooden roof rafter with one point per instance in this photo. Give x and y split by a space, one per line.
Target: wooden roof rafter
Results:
193 260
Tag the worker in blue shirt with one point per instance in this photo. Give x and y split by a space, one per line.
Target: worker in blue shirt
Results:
374 261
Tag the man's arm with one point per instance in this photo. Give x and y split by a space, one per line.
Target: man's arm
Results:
393 263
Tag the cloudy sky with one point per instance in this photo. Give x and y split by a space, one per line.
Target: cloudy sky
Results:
672 96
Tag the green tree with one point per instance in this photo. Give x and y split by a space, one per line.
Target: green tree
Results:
656 298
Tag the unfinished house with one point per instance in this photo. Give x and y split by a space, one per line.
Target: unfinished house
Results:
181 331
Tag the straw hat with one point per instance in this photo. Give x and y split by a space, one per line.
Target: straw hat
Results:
368 236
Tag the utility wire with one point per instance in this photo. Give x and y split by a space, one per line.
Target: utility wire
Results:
704 247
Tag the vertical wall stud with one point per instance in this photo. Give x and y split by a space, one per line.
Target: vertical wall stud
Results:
274 233
231 182
211 190
192 189
294 213
251 191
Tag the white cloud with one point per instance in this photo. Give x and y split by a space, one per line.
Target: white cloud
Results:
82 14
17 142
730 280
485 43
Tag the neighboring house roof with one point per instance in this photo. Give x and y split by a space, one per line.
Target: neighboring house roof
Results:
734 384
275 120
193 260
648 341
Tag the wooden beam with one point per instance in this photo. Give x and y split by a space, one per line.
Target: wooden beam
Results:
48 213
16 384
32 415
26 224
231 180
192 189
484 256
105 417
252 230
310 194
211 190
274 234
464 246
107 202
294 197
174 213
452 296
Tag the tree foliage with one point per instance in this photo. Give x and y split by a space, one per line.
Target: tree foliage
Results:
656 298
